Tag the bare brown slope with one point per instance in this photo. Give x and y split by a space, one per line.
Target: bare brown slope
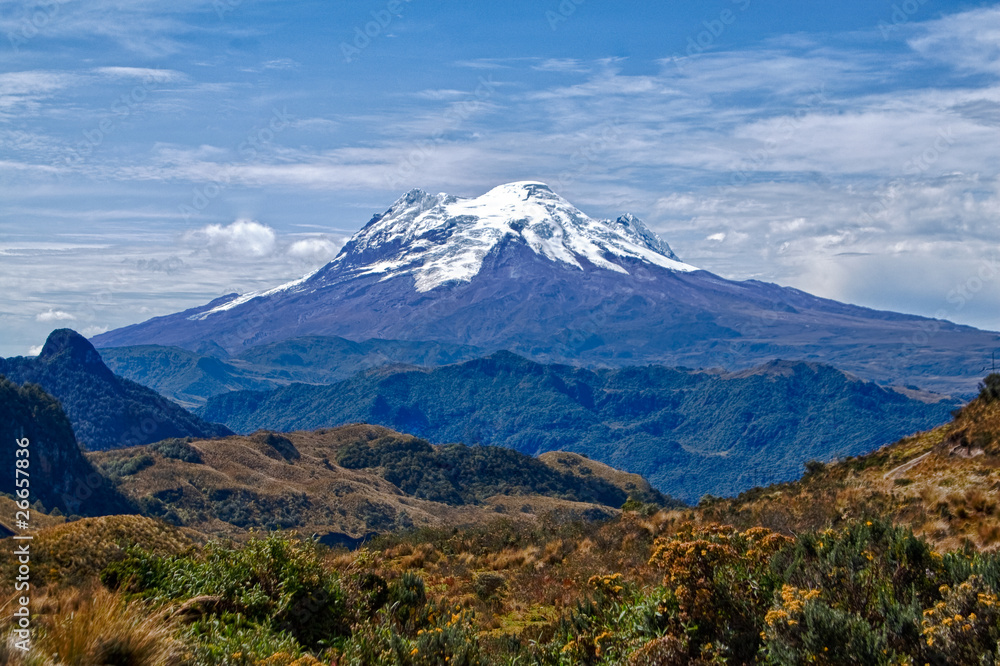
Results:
637 487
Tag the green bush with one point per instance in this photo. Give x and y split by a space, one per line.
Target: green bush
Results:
275 582
128 465
178 449
458 474
989 389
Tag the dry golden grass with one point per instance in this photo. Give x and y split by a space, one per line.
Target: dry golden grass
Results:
96 627
75 553
39 520
581 466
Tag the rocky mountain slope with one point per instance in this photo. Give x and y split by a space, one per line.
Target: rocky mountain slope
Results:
58 474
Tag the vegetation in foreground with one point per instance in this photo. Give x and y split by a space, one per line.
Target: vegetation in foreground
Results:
638 590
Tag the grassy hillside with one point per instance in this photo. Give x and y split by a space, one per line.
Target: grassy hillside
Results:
689 433
641 591
836 583
345 483
943 483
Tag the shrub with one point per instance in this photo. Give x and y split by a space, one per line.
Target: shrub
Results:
718 583
178 449
489 586
989 389
128 464
964 627
275 582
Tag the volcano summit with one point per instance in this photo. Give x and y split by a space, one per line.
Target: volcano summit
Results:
521 269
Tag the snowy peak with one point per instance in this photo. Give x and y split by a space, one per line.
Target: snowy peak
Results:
632 227
441 238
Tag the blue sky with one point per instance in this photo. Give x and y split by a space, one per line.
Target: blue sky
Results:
156 155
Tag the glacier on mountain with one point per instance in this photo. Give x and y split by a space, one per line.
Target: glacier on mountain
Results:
440 238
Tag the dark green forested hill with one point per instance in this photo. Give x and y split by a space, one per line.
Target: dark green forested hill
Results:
106 411
690 433
59 475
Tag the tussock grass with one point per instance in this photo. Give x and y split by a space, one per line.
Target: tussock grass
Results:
93 626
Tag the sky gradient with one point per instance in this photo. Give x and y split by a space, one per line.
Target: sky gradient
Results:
154 156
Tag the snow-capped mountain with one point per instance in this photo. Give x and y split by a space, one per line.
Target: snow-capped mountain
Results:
522 269
440 238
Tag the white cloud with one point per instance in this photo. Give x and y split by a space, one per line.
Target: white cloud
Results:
91 331
969 40
34 350
242 238
718 238
562 65
54 315
21 93
280 63
314 250
143 73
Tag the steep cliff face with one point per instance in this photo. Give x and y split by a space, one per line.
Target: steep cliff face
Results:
58 474
106 411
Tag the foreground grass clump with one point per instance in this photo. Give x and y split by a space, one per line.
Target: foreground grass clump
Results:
97 627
